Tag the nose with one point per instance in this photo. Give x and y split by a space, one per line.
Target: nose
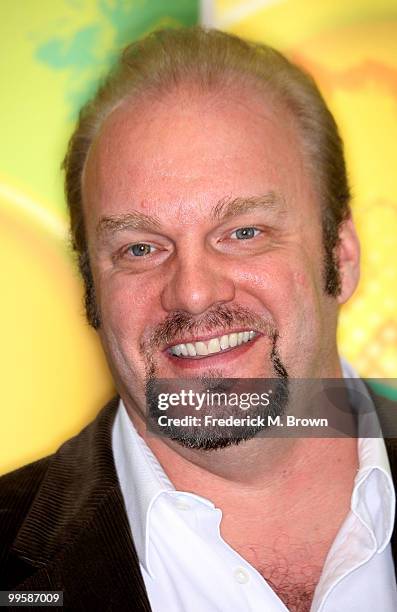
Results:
197 283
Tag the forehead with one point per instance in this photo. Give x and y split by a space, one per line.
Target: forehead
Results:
177 157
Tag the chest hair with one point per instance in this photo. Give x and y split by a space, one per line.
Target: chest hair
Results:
291 570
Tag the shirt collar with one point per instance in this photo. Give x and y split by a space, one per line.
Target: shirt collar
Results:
142 480
373 497
141 477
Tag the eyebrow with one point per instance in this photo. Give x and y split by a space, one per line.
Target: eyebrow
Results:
129 221
227 207
223 210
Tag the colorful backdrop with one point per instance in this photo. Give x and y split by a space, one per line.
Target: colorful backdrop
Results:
54 377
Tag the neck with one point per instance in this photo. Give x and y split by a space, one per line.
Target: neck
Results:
261 467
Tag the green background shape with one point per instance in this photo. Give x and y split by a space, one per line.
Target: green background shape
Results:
53 54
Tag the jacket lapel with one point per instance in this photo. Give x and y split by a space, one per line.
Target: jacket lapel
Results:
100 571
76 537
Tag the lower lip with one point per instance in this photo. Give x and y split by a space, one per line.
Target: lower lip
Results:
213 360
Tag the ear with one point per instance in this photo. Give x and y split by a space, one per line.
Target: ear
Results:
349 260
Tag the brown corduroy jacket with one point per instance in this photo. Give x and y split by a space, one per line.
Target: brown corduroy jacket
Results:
63 525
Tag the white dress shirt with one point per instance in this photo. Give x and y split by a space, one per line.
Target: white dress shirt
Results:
188 567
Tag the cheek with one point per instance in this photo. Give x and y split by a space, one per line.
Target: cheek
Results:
126 304
301 280
292 295
130 307
279 284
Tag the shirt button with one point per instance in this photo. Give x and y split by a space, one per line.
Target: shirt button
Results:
241 576
182 505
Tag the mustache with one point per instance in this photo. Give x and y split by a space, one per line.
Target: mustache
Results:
220 318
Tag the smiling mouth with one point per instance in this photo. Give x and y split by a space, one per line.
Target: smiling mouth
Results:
212 346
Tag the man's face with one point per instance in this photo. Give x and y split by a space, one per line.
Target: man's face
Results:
205 241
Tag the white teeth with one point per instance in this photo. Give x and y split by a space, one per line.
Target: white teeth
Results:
201 348
233 340
212 346
224 342
191 350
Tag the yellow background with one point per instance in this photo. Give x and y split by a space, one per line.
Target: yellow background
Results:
54 378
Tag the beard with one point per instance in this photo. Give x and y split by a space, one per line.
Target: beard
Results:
195 435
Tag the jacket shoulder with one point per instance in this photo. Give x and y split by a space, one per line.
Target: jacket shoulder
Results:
17 491
46 505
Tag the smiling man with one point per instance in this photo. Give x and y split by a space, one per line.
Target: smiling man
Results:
210 212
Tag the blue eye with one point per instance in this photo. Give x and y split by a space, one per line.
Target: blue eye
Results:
141 249
246 233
